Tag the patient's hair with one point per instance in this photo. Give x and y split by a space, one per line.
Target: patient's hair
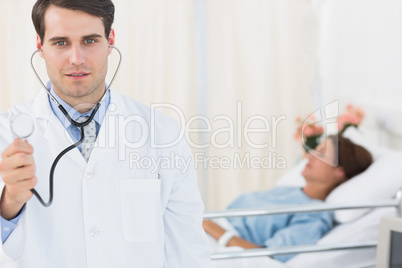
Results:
352 157
104 9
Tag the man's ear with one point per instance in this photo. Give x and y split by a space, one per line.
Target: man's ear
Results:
111 40
39 45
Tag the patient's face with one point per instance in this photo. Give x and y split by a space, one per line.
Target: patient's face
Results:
321 165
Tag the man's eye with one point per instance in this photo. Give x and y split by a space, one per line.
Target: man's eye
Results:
60 43
90 41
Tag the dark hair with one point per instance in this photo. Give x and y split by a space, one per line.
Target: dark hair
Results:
352 157
103 9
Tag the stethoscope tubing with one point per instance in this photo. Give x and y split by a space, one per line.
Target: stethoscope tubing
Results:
75 123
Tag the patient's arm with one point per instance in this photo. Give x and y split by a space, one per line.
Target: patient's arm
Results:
216 232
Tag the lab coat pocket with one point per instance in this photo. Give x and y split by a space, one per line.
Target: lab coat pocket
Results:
139 209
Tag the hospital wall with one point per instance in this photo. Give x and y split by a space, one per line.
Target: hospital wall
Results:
361 51
360 62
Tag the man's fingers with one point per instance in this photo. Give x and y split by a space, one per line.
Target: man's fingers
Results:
29 183
22 189
18 146
23 185
16 161
15 176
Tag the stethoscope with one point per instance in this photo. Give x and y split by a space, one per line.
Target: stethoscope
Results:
22 125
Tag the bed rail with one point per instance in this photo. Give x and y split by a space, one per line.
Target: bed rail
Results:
261 252
293 209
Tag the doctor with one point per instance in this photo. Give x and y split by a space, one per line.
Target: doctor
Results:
106 211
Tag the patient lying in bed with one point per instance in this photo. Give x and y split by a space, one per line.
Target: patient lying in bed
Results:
334 161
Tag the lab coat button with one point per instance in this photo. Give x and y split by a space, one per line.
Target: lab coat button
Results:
89 175
94 232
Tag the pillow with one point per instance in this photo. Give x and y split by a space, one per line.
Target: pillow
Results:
380 181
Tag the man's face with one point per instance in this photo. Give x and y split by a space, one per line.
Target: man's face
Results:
76 52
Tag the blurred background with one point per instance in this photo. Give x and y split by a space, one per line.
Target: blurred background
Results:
239 72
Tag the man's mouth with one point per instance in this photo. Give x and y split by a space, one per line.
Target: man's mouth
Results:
77 75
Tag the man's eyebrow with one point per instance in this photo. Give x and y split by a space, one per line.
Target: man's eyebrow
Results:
62 38
57 38
92 36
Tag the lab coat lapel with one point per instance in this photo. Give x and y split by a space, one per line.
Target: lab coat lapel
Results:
53 131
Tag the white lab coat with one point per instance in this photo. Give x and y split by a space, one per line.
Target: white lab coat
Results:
108 212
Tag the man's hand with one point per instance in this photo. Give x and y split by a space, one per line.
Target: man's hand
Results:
17 169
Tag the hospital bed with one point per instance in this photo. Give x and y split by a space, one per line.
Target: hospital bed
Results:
358 204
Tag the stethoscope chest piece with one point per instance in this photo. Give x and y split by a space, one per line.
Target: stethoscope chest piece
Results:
22 125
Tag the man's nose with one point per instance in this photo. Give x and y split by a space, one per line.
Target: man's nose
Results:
77 57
